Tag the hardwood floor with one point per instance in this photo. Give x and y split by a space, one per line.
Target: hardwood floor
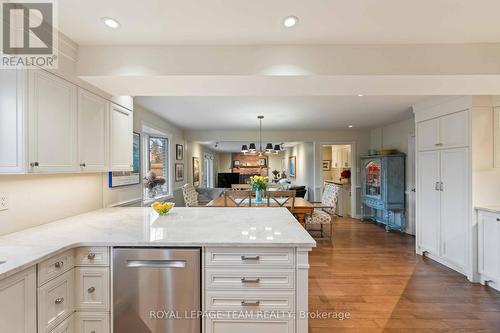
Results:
385 287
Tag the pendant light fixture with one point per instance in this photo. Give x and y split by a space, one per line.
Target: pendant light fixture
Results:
252 149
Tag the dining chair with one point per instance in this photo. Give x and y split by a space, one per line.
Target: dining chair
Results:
238 198
324 211
190 195
240 186
280 198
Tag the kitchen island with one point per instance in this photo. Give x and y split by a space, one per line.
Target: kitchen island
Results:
251 259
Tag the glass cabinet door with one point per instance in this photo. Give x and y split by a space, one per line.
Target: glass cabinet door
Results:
373 178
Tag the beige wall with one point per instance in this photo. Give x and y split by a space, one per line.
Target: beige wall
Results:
195 149
304 156
39 199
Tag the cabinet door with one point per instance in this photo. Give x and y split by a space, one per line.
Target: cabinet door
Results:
249 325
428 201
454 130
18 302
52 123
489 248
428 134
11 122
91 322
121 138
454 205
92 132
92 288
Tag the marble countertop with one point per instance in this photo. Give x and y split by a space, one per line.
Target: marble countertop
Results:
490 208
135 226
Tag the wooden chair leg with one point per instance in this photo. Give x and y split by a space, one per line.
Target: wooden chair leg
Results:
331 231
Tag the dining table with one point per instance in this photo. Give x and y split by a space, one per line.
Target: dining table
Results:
301 206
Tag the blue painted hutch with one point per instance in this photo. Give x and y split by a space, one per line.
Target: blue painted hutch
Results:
383 190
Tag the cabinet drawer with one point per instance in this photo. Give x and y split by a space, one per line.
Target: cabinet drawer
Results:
249 325
249 279
250 257
67 326
91 322
92 288
55 266
55 301
92 256
247 300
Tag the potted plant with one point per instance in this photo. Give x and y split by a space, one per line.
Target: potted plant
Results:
152 182
346 174
259 184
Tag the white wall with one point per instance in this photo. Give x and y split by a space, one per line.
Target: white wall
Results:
304 156
195 149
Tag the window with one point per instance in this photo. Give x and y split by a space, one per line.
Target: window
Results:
158 160
208 172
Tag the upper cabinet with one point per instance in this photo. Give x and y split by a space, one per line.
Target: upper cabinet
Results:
93 134
121 138
50 125
52 114
450 131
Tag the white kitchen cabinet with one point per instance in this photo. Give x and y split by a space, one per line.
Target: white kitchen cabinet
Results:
52 114
121 138
92 322
92 288
496 137
55 301
449 131
67 326
222 325
428 199
93 118
18 302
489 247
12 120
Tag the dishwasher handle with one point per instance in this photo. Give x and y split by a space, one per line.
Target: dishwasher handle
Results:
156 263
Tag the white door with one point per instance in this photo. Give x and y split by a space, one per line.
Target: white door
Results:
410 187
92 132
454 205
429 201
11 122
52 123
121 138
489 248
428 134
454 130
18 302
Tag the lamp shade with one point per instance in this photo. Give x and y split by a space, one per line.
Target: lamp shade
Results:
252 147
277 148
244 149
269 147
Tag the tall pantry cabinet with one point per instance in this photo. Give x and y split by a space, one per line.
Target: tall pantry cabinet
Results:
445 133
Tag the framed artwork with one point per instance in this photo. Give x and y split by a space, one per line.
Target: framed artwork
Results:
236 163
179 172
125 178
262 162
196 171
292 167
327 165
179 152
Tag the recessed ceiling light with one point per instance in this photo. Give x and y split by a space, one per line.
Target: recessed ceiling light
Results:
111 23
360 95
290 21
350 126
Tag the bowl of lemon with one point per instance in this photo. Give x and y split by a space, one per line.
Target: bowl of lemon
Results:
162 208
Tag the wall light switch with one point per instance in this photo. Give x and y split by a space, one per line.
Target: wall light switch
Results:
4 201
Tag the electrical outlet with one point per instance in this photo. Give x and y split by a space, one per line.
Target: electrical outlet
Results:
4 201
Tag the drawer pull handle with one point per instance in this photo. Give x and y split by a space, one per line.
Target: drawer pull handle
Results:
59 300
59 264
250 303
92 331
91 256
247 280
91 290
250 257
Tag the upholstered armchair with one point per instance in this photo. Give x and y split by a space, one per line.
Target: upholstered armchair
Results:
324 211
190 195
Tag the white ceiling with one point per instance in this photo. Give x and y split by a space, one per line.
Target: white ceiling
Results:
281 113
220 22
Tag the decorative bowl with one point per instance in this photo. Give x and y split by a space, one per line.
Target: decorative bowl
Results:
162 208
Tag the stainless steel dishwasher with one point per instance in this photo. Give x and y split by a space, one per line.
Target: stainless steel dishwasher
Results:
156 290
